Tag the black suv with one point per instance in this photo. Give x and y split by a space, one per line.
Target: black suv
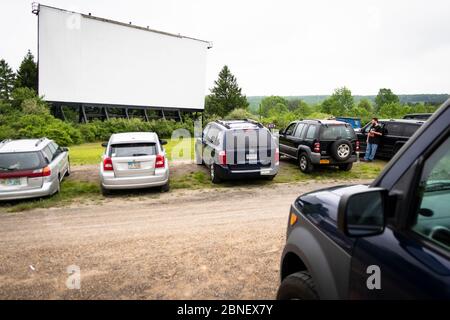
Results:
236 149
386 240
396 133
319 142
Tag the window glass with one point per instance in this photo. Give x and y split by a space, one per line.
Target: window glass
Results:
311 133
290 130
133 149
409 130
52 147
433 220
298 131
393 129
48 154
335 132
213 135
19 161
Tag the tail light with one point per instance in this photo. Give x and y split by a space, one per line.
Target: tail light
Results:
44 172
357 145
107 164
159 163
317 147
277 156
222 157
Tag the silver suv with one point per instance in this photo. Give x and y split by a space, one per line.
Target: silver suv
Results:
134 160
31 168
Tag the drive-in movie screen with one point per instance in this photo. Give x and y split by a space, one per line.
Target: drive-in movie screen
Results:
211 159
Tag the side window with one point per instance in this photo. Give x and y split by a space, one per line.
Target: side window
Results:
290 130
298 131
52 147
311 133
212 135
393 129
433 219
205 131
409 130
48 154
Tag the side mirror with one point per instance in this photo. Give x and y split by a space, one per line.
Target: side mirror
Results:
64 149
163 142
363 214
104 144
282 132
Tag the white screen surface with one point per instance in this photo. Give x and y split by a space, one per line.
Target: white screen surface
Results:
86 60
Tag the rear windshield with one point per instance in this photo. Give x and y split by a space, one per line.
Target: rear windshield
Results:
336 132
133 149
20 161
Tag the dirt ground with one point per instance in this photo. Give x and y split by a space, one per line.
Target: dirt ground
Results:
202 244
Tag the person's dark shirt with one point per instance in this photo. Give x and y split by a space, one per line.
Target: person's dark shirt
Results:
376 138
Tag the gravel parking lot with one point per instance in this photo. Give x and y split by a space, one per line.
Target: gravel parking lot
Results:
187 244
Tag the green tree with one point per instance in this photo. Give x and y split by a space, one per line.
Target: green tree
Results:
6 80
385 96
271 102
226 95
342 101
27 74
365 104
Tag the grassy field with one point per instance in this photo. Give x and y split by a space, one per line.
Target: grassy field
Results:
190 176
90 153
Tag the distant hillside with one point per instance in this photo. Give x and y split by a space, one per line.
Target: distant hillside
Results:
254 101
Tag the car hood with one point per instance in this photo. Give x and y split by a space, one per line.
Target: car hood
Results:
321 206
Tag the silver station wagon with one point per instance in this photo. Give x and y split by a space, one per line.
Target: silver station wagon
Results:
134 160
31 168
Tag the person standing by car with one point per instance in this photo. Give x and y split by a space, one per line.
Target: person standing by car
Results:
373 140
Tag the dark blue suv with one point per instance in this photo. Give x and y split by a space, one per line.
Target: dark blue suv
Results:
387 240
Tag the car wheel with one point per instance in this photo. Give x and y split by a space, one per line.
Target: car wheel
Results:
68 170
341 150
297 286
305 163
166 187
212 173
105 192
346 167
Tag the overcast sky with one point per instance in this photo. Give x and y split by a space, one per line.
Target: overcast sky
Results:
283 47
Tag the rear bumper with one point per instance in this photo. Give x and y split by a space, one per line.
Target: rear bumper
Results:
224 172
48 188
110 182
316 157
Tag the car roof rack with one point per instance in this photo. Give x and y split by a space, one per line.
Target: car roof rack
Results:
5 141
259 124
221 122
39 141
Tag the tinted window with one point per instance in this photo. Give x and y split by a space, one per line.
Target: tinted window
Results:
409 130
290 130
393 129
311 133
133 149
298 131
335 132
20 161
433 220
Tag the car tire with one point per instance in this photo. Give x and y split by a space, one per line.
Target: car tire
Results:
346 166
105 192
297 286
58 186
68 170
213 175
166 187
304 162
341 150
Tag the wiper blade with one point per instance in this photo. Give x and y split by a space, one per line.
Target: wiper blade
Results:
140 154
6 169
437 186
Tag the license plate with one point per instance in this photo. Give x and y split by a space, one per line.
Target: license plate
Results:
252 156
265 172
134 165
324 161
11 182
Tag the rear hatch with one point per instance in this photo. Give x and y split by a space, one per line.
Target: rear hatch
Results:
249 149
20 171
333 132
133 159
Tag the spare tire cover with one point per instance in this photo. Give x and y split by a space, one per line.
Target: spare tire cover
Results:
341 150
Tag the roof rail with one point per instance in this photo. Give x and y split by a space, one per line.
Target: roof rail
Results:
259 124
4 142
39 141
223 124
